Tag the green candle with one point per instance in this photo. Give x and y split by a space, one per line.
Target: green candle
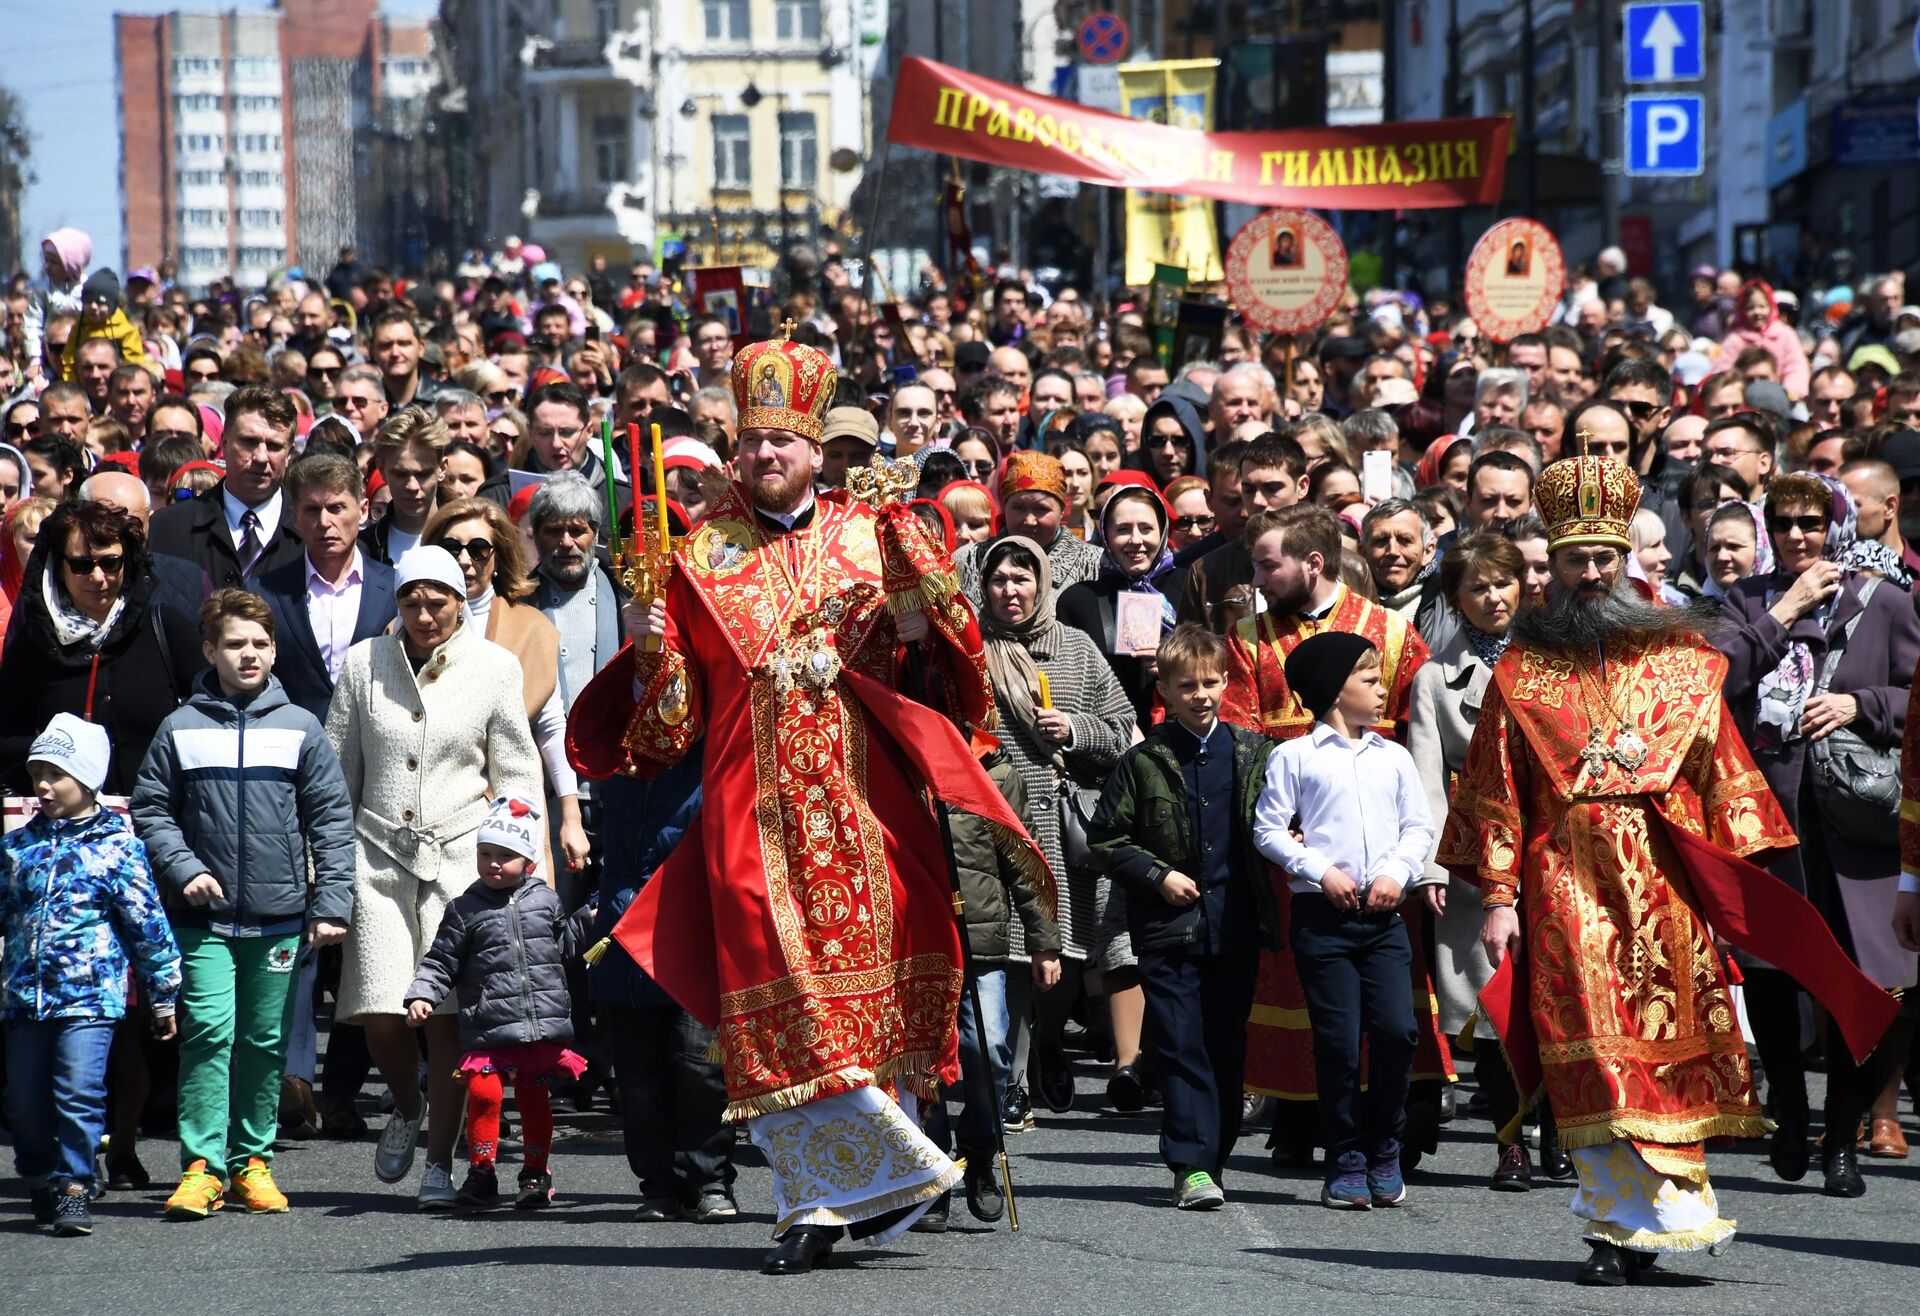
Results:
613 502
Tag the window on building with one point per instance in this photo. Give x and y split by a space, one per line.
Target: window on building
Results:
727 20
256 66
267 104
206 257
611 149
732 151
799 150
203 218
797 20
261 218
606 19
195 101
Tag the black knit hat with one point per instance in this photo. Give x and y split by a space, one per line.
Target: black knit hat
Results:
104 284
1320 664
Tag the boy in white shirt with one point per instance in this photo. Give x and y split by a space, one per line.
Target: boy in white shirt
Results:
1365 831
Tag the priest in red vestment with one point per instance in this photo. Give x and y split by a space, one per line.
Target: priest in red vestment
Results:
806 917
1606 811
1296 553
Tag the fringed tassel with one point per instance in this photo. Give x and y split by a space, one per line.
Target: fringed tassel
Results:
593 954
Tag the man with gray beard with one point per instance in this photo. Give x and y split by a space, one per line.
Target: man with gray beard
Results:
571 589
1606 811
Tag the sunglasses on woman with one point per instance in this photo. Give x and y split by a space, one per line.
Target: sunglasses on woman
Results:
19 430
109 566
979 470
1811 524
1188 524
477 549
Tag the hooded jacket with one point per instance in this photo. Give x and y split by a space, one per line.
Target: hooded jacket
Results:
504 952
75 897
133 351
1781 342
1192 421
61 296
240 793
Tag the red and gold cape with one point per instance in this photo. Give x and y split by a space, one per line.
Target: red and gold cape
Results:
1618 808
807 916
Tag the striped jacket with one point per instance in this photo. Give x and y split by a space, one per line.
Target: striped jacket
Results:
241 793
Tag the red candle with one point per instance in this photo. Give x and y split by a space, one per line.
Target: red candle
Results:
633 478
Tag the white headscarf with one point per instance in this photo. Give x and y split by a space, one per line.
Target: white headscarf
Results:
430 562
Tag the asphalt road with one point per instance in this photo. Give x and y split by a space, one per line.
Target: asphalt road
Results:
1097 1235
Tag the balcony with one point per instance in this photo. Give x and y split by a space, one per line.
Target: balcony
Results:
573 60
572 205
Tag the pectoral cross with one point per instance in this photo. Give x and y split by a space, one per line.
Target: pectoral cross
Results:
1597 754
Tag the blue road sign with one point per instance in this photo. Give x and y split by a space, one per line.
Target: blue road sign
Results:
1666 136
1664 42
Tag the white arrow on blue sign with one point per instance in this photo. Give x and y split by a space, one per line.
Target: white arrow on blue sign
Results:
1666 136
1664 42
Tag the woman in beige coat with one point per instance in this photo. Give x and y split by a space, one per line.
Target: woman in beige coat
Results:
430 726
1481 580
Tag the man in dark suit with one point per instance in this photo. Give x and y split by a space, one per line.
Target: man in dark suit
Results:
238 529
324 601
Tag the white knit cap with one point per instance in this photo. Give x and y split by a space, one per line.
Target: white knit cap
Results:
75 746
429 562
512 824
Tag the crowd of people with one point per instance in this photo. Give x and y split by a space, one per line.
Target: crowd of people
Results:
302 586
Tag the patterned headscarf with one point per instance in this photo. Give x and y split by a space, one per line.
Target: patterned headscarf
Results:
1028 471
1110 567
1013 648
1785 690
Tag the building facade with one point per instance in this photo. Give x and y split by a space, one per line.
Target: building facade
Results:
237 132
617 128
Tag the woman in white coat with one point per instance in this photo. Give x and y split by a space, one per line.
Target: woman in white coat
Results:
430 725
1481 579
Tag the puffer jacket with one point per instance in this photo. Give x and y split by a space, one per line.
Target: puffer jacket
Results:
75 895
1774 334
990 884
240 793
504 952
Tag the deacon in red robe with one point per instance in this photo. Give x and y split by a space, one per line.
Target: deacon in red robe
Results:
807 916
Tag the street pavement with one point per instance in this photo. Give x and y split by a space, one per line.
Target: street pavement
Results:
1097 1236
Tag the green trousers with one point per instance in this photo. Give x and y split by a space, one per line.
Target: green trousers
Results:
236 1010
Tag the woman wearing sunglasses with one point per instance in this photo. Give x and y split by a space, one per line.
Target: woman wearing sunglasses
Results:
91 639
1822 651
493 561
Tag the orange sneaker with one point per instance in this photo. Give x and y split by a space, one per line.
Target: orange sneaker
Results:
197 1197
254 1189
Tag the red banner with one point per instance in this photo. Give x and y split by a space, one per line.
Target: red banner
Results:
1390 166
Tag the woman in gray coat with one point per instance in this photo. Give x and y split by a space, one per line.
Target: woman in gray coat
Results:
1481 581
1064 721
1814 647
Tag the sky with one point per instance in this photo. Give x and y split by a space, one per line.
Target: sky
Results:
60 63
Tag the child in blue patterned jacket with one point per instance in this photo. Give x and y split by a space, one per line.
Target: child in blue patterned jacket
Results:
76 896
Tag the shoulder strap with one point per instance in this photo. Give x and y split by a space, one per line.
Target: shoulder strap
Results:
1836 652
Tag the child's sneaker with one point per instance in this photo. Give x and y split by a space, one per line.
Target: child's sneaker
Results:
197 1197
72 1215
1195 1190
1385 1184
536 1190
1347 1189
255 1190
481 1190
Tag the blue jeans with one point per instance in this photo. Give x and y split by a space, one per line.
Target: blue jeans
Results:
57 1097
973 1129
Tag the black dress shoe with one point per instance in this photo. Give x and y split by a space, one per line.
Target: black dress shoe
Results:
984 1198
801 1249
1514 1171
1554 1163
1842 1165
1055 1087
1789 1153
1605 1268
934 1219
1125 1090
1449 1104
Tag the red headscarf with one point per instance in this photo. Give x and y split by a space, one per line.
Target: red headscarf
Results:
1434 460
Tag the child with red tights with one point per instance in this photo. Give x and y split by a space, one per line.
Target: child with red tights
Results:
502 949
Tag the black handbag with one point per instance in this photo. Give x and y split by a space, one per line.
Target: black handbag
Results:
1076 805
1857 785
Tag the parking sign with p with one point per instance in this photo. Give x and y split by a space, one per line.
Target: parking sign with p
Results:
1666 136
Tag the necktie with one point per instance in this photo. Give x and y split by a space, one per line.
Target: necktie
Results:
249 542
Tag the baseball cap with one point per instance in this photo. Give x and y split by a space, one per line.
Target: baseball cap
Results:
851 423
1765 395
